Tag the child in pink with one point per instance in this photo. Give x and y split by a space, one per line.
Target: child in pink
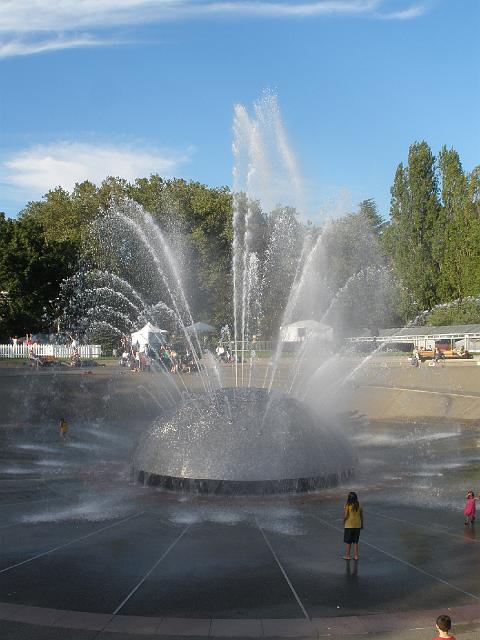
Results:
469 510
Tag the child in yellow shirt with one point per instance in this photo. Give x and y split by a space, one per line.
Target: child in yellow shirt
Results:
63 428
353 523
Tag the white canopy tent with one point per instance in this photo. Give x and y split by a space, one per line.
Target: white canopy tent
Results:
149 334
305 330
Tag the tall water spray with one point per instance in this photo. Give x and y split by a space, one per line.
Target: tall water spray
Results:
258 421
263 166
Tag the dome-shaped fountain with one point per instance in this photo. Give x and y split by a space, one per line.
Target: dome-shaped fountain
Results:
242 441
262 422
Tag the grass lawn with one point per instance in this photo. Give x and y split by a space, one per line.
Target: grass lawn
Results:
13 362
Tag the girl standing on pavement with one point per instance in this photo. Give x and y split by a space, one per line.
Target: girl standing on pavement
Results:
353 523
470 508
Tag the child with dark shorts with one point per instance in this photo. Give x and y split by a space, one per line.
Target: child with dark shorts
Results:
353 523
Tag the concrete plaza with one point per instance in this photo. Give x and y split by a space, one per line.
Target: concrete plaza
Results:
86 554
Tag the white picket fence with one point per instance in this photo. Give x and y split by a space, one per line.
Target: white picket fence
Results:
55 350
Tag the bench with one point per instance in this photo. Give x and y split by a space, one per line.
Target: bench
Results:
40 361
448 354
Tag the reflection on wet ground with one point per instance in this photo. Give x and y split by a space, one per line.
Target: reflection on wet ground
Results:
96 542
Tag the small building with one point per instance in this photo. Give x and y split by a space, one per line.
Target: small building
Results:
305 330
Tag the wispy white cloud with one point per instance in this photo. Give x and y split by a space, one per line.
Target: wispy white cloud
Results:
45 15
19 47
33 26
35 170
286 9
414 11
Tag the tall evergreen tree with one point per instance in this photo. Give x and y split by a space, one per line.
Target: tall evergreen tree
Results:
414 215
471 273
368 210
452 247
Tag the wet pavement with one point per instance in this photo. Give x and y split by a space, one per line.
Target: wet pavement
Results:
84 549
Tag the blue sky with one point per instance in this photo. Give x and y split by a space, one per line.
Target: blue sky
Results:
132 87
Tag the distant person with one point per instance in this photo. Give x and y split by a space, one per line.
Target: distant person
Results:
75 358
470 508
147 362
173 361
443 625
63 428
415 358
353 523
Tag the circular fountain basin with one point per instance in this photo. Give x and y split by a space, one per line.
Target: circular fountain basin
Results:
243 441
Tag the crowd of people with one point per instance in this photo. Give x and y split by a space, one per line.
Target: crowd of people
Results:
26 340
174 357
170 358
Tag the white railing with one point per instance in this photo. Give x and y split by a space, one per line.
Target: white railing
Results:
470 340
55 350
415 337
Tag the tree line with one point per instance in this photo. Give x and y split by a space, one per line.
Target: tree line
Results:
428 251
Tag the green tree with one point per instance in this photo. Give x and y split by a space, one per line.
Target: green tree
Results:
31 269
351 244
411 234
471 273
368 210
465 311
452 243
353 263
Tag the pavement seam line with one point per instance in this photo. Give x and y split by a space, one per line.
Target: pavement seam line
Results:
424 526
162 557
11 504
67 544
437 393
284 573
405 562
13 524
